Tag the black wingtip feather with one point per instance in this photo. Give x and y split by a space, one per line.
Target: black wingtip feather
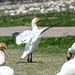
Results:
15 34
49 27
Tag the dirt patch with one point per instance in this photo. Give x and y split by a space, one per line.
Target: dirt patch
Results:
73 19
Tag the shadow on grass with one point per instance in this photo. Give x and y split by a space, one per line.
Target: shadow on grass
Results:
29 62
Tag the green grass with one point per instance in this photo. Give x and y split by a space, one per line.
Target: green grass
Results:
61 19
47 60
59 43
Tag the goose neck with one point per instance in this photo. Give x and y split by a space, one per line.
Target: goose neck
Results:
34 26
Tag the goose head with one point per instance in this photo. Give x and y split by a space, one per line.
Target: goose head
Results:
34 21
2 46
69 55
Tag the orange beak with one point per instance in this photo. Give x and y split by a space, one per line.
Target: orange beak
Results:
39 19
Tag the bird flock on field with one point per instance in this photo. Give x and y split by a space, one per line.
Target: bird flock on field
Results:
49 7
32 39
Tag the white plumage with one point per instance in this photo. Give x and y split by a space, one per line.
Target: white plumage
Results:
5 70
31 38
71 51
68 68
2 54
2 58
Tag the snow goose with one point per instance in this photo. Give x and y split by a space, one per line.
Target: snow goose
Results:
31 38
68 68
71 51
2 54
5 70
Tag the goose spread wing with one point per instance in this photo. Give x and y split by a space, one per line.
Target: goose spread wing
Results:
36 34
23 37
29 36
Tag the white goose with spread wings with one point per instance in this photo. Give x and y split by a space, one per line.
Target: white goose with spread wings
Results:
31 38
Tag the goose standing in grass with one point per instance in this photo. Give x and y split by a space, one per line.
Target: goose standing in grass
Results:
71 51
5 70
2 54
31 38
68 68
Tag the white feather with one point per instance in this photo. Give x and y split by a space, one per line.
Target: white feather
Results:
68 68
72 49
23 37
5 70
2 59
30 48
31 38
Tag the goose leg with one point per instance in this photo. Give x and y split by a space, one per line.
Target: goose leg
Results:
31 58
28 58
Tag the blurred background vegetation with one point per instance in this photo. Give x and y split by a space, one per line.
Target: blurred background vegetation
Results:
4 2
61 13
